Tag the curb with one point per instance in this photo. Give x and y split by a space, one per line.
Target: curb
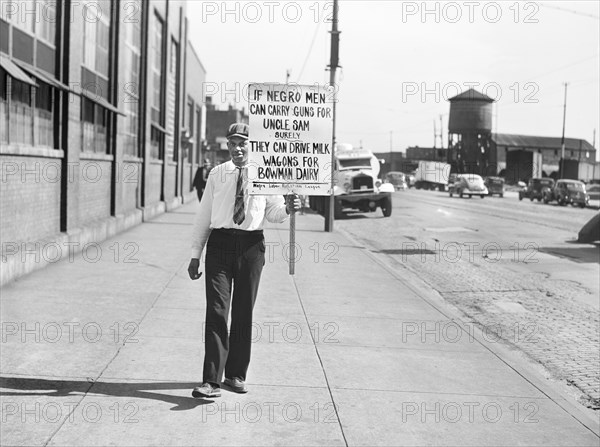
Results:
519 364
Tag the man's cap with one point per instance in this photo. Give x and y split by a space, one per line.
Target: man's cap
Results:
238 130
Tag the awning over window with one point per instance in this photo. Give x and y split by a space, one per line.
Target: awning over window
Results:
14 71
42 76
97 99
161 128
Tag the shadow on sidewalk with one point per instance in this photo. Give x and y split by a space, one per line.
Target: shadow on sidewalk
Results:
138 390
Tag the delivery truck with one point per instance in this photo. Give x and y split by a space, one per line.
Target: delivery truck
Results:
432 175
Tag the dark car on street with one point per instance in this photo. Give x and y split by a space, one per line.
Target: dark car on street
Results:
568 192
495 185
536 187
397 179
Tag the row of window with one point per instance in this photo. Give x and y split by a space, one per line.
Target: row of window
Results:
35 17
26 115
27 112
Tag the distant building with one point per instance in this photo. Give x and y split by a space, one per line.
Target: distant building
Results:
194 119
101 122
416 153
550 149
217 124
472 147
392 161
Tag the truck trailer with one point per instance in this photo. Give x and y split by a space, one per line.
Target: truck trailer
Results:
432 175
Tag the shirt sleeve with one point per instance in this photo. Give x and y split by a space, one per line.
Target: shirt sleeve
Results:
275 209
201 229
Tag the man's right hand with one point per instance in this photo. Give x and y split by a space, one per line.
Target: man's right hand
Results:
193 269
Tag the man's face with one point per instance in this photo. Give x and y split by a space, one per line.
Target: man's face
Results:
238 150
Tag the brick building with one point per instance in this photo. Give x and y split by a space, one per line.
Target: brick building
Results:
99 129
217 124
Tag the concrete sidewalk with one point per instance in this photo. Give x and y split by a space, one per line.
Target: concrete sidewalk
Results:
104 349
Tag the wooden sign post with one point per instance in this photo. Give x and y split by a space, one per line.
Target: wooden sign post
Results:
290 143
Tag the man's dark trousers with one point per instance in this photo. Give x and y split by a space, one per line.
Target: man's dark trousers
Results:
233 257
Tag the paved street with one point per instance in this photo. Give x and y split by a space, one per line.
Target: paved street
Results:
104 350
511 266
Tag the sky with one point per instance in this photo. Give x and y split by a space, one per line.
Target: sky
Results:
401 61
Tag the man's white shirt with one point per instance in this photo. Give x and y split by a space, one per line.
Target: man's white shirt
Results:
216 206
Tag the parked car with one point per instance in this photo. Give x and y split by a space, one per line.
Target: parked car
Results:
593 191
495 185
397 179
536 187
468 184
567 191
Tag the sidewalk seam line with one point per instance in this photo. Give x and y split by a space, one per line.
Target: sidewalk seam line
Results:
317 352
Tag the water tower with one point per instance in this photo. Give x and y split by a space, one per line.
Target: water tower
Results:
470 134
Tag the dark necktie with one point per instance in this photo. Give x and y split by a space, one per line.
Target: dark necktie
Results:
238 210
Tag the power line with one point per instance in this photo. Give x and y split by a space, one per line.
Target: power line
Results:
572 11
562 67
309 50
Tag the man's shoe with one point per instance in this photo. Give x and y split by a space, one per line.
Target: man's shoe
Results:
206 390
236 385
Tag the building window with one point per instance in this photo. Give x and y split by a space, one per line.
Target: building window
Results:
173 60
190 116
555 152
96 36
157 133
157 143
26 15
20 113
95 77
95 129
28 33
132 52
157 71
572 153
171 101
30 27
27 111
3 108
44 122
46 20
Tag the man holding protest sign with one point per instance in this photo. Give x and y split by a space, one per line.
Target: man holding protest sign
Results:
232 221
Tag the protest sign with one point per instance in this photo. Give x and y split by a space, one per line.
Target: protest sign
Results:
290 139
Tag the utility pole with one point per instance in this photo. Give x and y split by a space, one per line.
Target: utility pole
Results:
333 64
441 133
562 141
391 152
287 76
436 135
